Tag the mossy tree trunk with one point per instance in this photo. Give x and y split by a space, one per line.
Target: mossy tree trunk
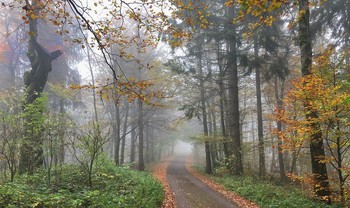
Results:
31 153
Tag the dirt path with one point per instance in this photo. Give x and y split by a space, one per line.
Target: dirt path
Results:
190 192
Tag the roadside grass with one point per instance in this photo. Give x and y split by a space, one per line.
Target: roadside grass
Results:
266 193
112 187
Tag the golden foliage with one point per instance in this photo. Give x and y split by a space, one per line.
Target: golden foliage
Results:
325 91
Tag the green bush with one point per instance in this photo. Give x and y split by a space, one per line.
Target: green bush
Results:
113 187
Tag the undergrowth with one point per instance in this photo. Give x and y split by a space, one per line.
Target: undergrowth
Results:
267 194
112 187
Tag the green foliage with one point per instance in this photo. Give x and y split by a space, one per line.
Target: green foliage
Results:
267 194
33 113
114 187
88 149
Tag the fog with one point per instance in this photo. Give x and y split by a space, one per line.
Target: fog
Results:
183 148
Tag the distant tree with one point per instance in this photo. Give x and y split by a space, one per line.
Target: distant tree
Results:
268 65
12 48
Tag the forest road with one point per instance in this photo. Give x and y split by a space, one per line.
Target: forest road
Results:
189 192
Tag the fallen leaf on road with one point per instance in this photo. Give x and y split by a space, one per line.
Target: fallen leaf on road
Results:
160 172
242 202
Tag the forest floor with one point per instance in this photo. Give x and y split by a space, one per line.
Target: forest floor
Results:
187 188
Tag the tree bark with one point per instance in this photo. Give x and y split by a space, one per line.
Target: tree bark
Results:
319 169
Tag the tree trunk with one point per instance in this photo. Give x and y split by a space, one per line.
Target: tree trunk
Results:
147 143
31 152
319 169
212 146
61 152
141 143
293 167
152 144
160 148
234 115
125 127
133 136
222 101
279 100
273 158
252 132
215 130
338 163
208 168
262 168
117 133
93 84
